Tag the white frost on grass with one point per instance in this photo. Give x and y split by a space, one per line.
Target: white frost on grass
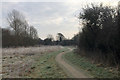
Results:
26 50
17 62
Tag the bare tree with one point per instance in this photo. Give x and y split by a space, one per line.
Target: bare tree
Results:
25 35
16 21
33 32
25 29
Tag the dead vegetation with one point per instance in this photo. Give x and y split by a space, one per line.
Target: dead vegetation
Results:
17 62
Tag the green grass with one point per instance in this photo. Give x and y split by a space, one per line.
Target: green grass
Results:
92 69
46 67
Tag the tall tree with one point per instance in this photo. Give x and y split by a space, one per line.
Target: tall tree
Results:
16 21
97 19
100 32
33 32
60 37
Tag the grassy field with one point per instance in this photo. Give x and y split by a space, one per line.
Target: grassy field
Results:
46 67
87 66
39 62
33 62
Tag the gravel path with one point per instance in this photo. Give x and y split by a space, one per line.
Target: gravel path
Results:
70 70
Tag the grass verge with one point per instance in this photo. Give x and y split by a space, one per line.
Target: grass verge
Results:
46 66
83 63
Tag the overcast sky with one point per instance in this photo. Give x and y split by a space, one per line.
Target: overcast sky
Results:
50 17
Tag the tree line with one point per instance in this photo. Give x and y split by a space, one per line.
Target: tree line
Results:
21 33
100 36
61 40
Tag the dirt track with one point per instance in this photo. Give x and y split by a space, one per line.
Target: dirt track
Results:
70 70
